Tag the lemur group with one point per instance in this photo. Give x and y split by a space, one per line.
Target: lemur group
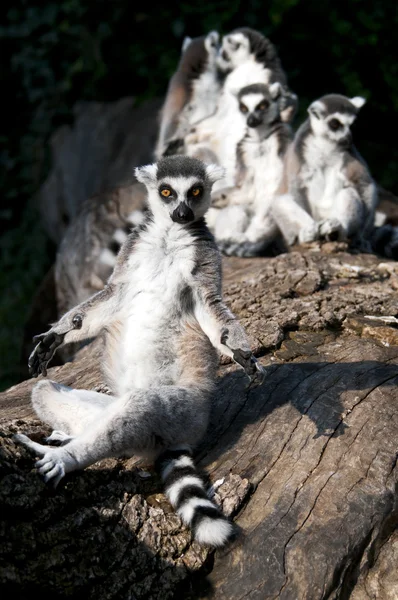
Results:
229 102
228 173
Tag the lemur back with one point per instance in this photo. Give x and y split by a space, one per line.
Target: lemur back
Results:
162 319
192 94
327 189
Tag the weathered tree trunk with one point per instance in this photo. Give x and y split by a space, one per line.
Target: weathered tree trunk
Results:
309 459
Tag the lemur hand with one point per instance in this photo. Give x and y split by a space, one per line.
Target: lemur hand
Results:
48 343
252 367
235 339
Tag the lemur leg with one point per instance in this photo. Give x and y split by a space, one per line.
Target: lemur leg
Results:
142 422
349 211
231 222
67 409
295 223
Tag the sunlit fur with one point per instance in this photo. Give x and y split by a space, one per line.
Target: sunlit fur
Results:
327 188
245 226
162 319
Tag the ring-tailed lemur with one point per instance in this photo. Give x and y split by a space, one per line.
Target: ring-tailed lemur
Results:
248 58
192 94
162 317
87 253
245 227
327 189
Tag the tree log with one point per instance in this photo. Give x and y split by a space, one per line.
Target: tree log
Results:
309 460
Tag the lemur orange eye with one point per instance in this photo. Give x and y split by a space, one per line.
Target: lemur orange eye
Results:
242 108
195 192
166 193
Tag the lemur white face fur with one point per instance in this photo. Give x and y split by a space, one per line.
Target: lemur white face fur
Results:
176 192
332 116
259 104
234 51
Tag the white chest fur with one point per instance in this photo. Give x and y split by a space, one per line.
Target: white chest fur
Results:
322 175
158 271
264 169
205 95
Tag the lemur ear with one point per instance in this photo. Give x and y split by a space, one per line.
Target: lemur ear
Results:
275 89
317 109
215 172
146 174
358 101
212 40
185 43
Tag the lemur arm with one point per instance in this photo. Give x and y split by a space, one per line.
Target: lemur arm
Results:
85 320
81 322
219 324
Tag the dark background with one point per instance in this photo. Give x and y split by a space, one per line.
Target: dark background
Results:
56 53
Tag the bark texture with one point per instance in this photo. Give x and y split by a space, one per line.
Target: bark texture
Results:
308 461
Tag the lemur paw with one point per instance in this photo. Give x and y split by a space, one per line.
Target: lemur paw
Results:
51 463
48 343
52 468
59 436
330 229
251 366
43 352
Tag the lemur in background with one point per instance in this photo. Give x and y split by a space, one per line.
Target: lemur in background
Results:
192 94
327 189
162 318
87 253
247 58
245 226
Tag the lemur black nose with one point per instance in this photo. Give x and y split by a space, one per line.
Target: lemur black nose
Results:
224 55
252 121
182 214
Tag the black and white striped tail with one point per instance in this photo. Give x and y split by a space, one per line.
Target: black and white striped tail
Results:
186 492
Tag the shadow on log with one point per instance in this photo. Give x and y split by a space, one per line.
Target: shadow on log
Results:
309 460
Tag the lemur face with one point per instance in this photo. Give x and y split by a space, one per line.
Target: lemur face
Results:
235 50
179 187
332 116
259 104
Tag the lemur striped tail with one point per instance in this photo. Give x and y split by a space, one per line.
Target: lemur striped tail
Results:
185 490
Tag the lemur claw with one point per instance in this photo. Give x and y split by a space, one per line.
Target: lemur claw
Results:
43 352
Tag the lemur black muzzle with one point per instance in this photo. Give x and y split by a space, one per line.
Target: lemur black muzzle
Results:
253 121
182 214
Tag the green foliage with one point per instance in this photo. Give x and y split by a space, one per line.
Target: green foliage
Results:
58 52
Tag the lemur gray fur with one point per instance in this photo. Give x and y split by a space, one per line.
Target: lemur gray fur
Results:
327 190
192 94
163 319
87 253
247 58
245 226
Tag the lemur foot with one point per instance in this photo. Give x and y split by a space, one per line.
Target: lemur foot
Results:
45 349
52 464
59 436
330 229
